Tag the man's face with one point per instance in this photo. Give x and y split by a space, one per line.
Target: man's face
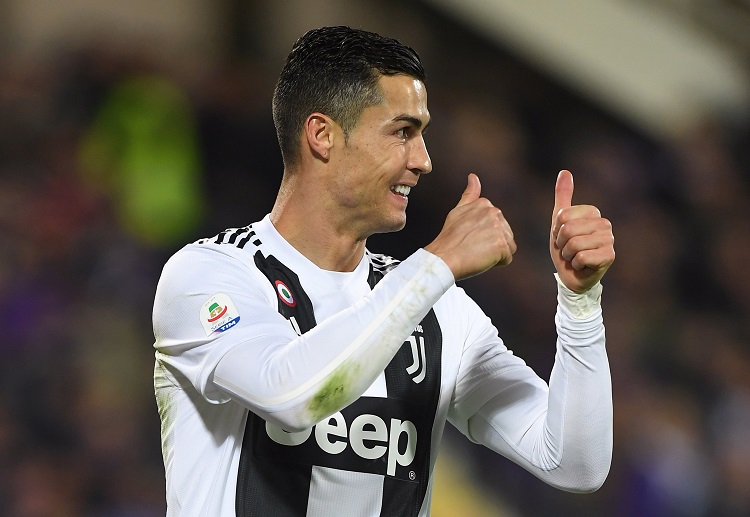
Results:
383 159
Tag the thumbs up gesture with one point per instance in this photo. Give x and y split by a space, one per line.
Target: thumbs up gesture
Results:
475 235
581 240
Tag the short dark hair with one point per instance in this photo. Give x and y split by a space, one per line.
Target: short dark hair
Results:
335 71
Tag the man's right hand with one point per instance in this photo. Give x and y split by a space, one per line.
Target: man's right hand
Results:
475 236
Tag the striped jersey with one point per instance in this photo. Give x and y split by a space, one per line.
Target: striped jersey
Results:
287 390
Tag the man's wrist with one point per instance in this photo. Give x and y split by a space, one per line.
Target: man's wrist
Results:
582 305
439 266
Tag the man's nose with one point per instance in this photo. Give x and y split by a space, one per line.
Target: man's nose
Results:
419 160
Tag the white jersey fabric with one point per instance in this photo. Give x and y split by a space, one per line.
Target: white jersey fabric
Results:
255 345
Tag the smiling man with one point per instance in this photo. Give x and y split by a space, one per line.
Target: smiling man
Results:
299 374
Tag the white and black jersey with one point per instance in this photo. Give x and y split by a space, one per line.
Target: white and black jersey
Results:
287 390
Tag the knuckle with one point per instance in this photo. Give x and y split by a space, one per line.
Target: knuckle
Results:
565 231
496 213
498 225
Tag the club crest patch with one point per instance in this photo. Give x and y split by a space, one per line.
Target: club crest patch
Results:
219 314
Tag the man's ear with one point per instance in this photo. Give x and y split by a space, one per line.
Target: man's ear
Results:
320 130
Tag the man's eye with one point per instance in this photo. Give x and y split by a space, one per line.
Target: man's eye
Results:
403 132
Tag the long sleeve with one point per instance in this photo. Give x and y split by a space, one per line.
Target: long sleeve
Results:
562 433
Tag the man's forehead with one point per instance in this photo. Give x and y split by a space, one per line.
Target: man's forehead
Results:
406 98
403 85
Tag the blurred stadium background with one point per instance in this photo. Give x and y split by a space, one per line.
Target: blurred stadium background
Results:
130 128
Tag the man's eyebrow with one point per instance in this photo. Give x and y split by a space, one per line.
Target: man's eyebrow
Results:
414 121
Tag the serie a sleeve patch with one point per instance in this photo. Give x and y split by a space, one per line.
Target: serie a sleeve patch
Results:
218 314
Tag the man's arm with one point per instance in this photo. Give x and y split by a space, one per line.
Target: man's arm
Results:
561 433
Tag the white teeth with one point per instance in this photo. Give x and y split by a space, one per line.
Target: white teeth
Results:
401 189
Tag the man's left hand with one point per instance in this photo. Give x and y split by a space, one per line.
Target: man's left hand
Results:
581 240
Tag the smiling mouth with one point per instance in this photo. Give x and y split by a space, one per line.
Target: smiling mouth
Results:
401 190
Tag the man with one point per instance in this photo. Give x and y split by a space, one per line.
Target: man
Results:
297 373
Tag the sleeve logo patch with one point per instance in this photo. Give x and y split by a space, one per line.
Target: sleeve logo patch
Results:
219 314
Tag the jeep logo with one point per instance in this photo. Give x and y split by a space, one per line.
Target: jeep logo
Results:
369 437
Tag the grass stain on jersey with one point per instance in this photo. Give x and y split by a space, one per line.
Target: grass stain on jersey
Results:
334 394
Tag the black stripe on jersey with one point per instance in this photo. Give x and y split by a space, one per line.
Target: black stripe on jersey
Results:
266 486
274 478
399 498
275 271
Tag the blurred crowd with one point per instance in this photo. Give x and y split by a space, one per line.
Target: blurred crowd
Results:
110 162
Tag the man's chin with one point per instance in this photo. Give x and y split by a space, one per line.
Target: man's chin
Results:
393 226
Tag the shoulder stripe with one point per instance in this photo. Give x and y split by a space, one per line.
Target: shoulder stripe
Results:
241 244
220 237
237 233
236 236
382 263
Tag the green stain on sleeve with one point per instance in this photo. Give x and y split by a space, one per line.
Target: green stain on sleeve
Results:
334 393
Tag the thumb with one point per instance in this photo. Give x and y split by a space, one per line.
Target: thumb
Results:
563 192
472 192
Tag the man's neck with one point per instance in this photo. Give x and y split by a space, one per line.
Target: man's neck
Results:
309 229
